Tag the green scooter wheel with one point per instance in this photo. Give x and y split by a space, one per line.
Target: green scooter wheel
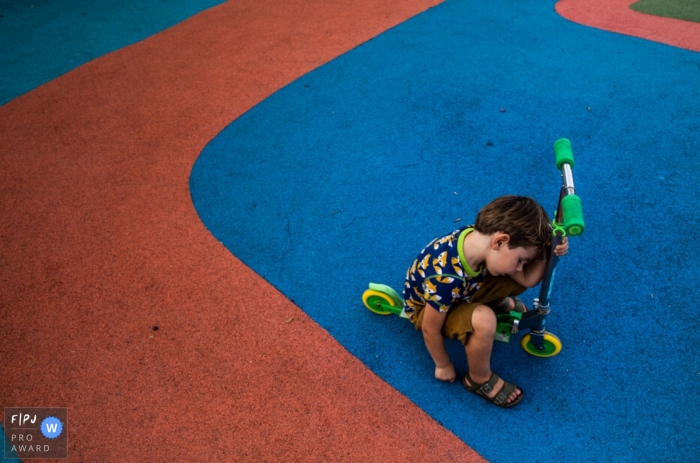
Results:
552 346
377 302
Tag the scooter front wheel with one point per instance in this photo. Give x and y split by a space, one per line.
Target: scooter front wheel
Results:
552 346
377 302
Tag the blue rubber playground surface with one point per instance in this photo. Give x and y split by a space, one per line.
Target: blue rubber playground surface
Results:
49 38
342 177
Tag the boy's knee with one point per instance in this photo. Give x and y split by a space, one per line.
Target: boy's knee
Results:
484 320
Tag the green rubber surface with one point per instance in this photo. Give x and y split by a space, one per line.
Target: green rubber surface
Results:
687 10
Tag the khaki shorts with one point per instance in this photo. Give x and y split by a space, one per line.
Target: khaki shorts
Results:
458 323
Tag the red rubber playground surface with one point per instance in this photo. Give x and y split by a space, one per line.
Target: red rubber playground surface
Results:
617 16
100 244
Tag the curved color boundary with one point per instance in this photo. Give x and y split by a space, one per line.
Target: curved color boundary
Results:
43 40
100 244
617 16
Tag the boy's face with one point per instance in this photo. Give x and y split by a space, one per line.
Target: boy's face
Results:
506 261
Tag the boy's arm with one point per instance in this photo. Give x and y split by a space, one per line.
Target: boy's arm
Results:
432 335
532 272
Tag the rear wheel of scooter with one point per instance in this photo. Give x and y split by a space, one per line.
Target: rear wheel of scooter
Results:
552 346
377 302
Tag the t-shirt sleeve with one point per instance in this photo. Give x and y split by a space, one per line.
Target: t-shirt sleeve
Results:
440 291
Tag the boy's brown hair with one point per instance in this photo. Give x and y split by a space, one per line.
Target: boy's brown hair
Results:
521 218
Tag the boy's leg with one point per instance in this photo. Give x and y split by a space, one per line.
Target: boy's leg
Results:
497 288
474 324
458 324
479 347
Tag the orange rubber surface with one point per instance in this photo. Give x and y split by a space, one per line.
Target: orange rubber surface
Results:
617 16
100 243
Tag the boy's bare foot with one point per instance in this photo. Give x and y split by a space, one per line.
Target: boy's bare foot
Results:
446 373
494 389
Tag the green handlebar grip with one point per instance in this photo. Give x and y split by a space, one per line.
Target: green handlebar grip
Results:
563 153
573 215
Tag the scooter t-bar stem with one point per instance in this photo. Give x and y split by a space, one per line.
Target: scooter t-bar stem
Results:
569 211
569 218
548 278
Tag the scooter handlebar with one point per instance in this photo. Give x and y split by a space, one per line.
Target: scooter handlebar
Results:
573 215
563 153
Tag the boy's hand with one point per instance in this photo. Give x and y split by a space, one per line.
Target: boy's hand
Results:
446 373
563 247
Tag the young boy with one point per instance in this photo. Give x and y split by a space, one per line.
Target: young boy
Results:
456 280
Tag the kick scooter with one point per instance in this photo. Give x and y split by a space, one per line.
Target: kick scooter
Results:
568 221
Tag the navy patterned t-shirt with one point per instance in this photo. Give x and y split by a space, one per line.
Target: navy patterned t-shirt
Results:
440 276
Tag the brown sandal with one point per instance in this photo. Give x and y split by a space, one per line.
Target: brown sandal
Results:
484 389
